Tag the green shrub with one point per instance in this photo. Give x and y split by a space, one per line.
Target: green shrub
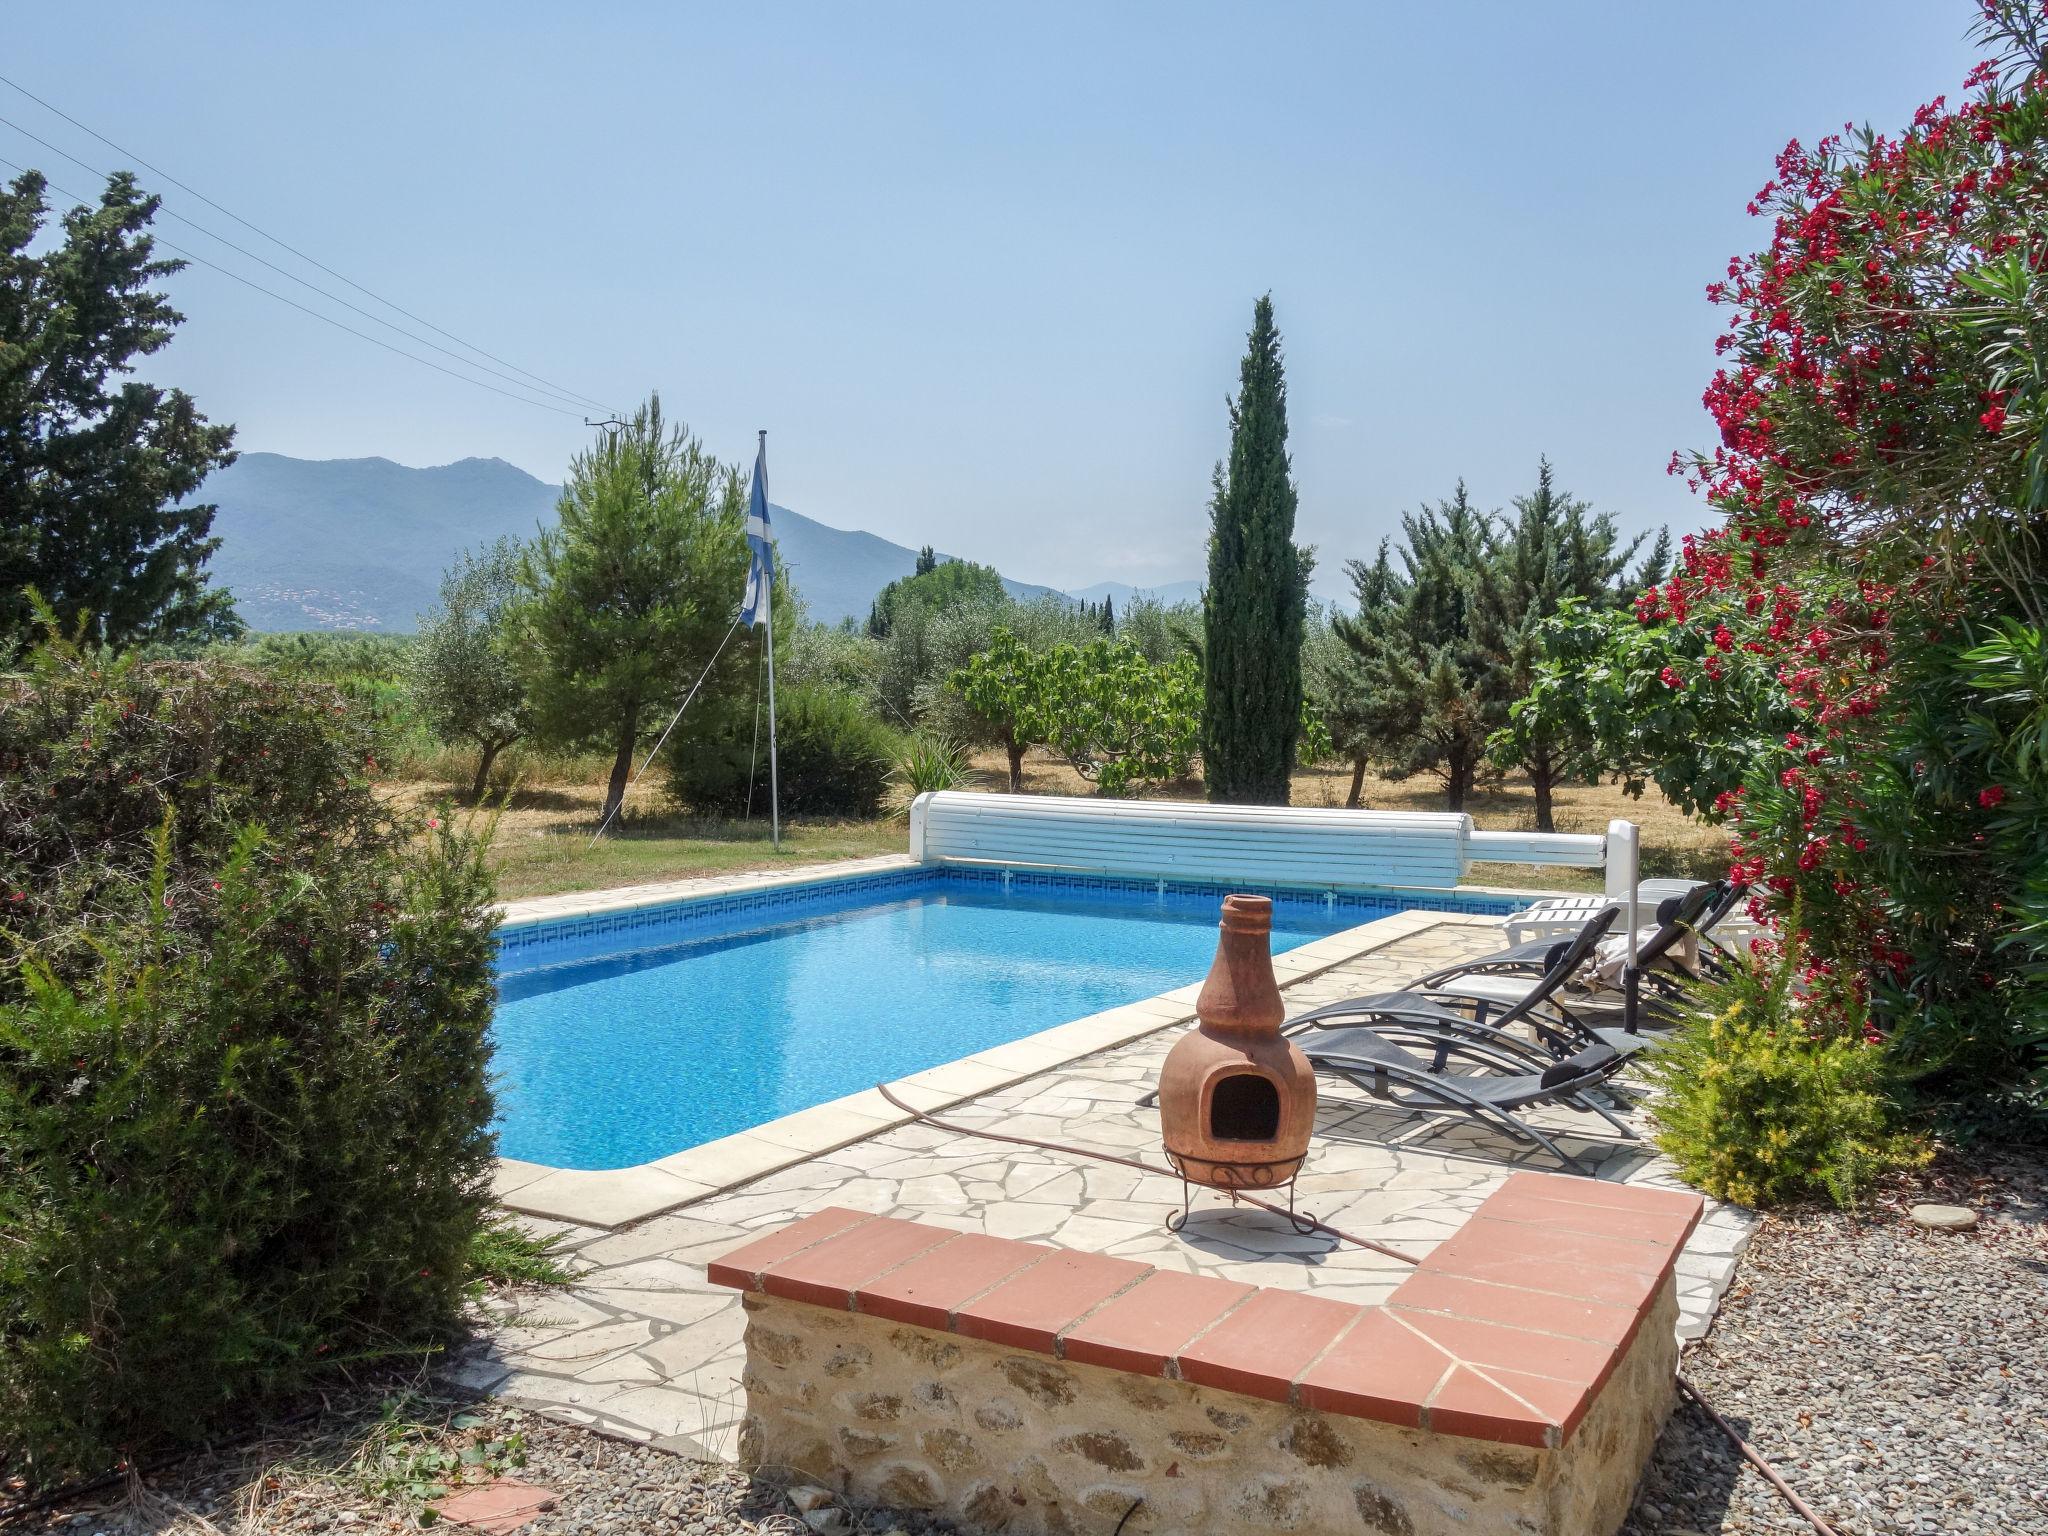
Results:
1755 1107
243 1100
369 669
835 759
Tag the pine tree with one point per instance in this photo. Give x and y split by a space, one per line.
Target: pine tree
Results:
1107 617
927 561
1338 689
625 599
1257 597
1420 681
94 479
1437 652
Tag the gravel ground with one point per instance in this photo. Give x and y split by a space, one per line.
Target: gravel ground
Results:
360 1470
1898 1378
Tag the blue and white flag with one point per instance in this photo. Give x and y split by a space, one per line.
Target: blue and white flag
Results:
760 546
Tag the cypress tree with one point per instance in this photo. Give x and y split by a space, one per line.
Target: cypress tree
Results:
1256 603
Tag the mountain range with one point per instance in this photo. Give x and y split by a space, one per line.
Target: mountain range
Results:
362 543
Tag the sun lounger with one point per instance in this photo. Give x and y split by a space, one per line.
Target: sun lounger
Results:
1531 1002
1412 1068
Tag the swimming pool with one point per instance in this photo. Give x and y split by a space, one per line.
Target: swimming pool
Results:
625 1038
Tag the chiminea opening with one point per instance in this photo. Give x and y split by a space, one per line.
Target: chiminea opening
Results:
1244 1107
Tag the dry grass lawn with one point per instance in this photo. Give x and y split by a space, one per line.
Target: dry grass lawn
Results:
544 846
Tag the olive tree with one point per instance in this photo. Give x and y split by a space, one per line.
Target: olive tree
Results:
461 672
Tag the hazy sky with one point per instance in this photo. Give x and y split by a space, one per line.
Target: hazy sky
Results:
984 273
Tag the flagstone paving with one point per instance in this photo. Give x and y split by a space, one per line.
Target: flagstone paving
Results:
643 1345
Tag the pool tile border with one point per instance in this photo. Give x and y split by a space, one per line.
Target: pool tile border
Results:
615 1198
559 930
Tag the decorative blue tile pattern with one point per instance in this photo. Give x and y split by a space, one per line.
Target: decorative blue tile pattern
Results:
553 941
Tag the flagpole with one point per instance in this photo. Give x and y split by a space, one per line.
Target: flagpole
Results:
774 784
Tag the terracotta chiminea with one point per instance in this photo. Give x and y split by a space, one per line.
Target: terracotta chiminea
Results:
1237 1100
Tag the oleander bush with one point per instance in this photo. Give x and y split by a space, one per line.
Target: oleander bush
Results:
835 757
1850 672
244 1110
1757 1105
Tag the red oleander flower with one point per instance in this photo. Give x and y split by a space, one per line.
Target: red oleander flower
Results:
1991 796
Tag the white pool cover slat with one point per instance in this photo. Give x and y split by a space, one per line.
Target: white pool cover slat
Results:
1278 845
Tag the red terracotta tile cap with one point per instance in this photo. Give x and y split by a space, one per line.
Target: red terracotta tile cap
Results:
930 1288
1563 1403
1516 1306
1469 1402
1031 1310
1488 1345
827 1274
1664 1230
1377 1370
1145 1327
741 1269
1627 1197
1264 1343
1529 1260
1520 1240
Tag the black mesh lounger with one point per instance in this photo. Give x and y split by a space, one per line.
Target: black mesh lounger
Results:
1382 1066
1557 1031
1698 911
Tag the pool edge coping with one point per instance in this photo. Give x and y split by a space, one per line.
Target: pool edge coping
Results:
620 1197
630 898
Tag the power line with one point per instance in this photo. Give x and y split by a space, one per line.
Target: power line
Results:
375 341
334 298
294 250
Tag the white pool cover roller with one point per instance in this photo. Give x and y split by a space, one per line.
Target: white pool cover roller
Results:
1252 844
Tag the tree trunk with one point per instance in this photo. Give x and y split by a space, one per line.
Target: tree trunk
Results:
1351 801
1458 782
485 759
622 761
1016 752
1542 778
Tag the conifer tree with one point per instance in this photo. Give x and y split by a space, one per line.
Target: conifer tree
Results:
1107 618
1555 547
97 472
1438 651
1339 690
624 601
1422 683
1257 596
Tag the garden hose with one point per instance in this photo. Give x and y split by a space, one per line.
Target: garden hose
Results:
1748 1452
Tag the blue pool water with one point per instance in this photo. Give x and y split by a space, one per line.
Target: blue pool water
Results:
681 1030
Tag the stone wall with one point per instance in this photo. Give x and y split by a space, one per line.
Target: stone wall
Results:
1001 1439
1514 1382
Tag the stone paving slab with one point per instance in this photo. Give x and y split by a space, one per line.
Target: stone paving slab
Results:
644 1346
